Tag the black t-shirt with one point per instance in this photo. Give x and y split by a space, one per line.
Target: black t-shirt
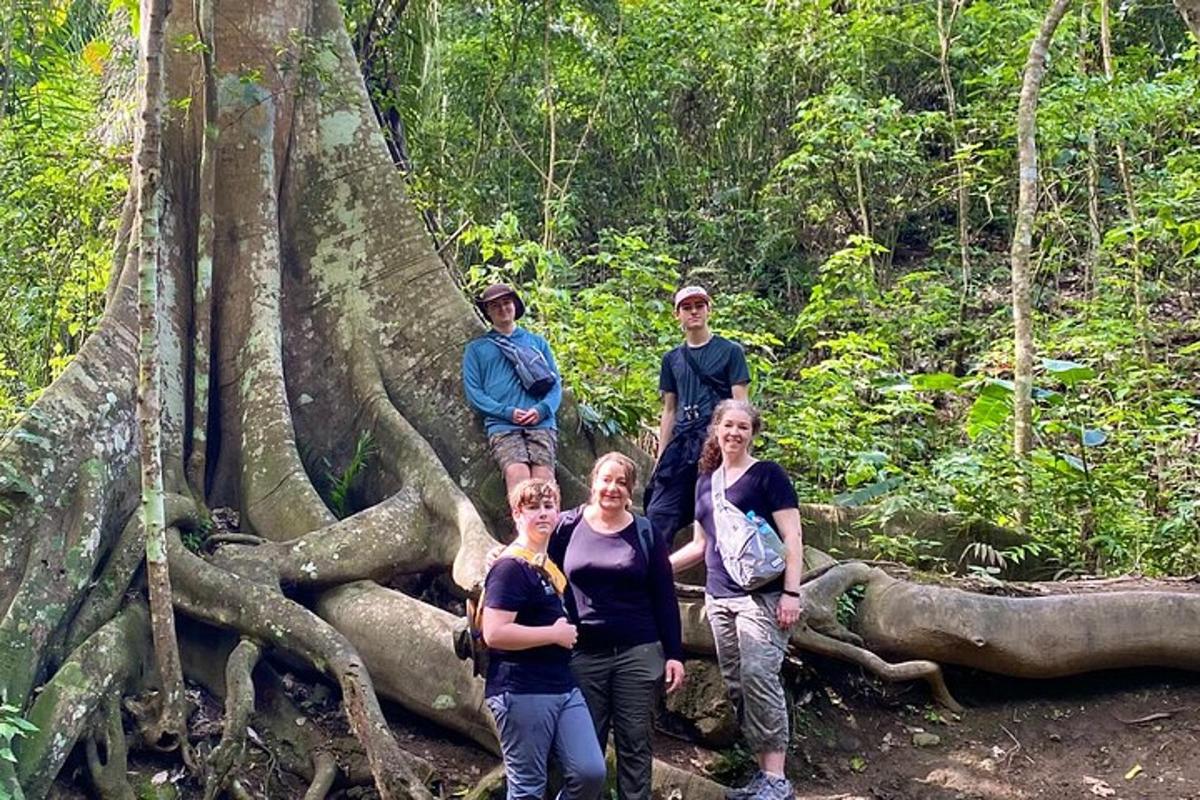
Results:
695 401
764 488
516 585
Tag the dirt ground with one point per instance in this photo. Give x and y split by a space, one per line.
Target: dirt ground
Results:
1119 735
1124 735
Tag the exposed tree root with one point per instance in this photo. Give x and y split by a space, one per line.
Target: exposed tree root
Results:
106 665
1030 637
325 772
209 593
422 673
302 750
108 771
239 705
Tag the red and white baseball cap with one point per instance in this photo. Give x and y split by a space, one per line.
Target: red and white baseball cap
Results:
688 292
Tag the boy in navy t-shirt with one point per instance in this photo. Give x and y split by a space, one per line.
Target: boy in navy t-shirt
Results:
530 691
694 377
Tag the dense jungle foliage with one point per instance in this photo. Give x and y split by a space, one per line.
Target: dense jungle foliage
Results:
842 173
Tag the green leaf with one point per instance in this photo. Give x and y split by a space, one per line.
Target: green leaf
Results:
24 724
936 382
868 493
988 413
1068 372
7 754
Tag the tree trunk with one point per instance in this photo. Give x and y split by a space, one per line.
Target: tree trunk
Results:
1027 160
149 200
1189 10
331 316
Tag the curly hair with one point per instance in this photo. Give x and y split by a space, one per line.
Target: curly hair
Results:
710 454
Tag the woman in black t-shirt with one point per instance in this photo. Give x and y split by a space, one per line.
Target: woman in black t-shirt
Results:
750 628
529 689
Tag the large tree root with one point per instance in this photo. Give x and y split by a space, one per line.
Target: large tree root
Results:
421 673
104 666
108 771
239 705
1029 637
211 594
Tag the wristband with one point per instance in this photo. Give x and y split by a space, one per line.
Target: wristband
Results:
790 593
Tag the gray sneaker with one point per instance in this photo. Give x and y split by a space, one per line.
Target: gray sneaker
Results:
749 791
773 788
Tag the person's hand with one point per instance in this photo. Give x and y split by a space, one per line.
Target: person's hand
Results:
526 416
563 633
673 674
491 557
788 612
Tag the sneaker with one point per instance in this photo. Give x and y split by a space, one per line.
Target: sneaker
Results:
749 791
773 788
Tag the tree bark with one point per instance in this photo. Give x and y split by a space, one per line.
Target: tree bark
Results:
1027 161
149 200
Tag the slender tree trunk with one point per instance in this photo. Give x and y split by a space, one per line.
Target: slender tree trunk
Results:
552 132
1190 11
1091 264
149 198
1027 159
945 24
198 461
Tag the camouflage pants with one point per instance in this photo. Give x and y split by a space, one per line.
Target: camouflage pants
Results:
750 650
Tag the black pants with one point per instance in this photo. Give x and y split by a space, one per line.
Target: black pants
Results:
621 685
670 498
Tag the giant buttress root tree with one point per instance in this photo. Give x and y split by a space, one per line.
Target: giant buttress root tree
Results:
303 306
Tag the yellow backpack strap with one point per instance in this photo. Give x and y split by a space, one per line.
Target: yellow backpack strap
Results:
542 563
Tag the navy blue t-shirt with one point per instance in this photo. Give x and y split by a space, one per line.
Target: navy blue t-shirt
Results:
695 401
516 585
618 596
764 488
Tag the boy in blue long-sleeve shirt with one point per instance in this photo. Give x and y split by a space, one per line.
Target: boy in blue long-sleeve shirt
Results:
521 427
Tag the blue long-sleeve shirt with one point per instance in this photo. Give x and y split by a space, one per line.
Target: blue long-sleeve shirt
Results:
493 389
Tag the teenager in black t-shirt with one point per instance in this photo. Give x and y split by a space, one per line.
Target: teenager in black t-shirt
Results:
694 377
529 689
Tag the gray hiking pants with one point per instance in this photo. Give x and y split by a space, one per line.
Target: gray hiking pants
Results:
750 650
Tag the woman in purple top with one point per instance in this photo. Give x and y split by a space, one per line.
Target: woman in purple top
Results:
750 628
621 596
